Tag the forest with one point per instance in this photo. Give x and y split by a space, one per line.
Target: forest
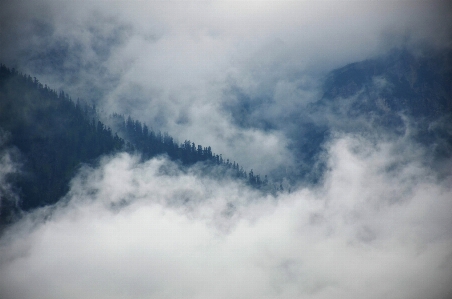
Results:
50 136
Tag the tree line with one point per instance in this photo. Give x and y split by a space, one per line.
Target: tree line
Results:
150 143
55 135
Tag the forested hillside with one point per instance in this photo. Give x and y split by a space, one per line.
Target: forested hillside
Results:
52 136
399 93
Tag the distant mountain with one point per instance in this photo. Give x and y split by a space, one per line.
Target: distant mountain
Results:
400 82
399 92
396 93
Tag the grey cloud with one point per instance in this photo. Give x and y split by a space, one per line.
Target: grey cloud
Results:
173 65
10 165
131 229
237 76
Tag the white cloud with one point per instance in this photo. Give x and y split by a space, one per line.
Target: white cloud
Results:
9 166
379 224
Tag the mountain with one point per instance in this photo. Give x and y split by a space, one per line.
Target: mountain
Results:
51 136
400 82
403 92
399 93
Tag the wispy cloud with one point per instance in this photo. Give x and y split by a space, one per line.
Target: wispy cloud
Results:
173 65
9 166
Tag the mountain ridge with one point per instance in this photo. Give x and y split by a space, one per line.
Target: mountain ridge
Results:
53 136
389 93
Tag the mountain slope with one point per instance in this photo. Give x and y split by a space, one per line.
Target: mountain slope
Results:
52 136
397 83
406 93
398 93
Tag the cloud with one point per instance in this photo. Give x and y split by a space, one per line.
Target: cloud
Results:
175 65
236 76
9 166
378 224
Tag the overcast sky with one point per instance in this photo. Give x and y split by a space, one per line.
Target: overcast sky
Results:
377 226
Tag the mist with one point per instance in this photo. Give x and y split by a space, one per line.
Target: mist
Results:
239 77
10 165
377 226
181 66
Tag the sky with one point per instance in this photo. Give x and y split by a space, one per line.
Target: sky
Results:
376 225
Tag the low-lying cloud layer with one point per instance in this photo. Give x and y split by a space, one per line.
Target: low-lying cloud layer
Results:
378 226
